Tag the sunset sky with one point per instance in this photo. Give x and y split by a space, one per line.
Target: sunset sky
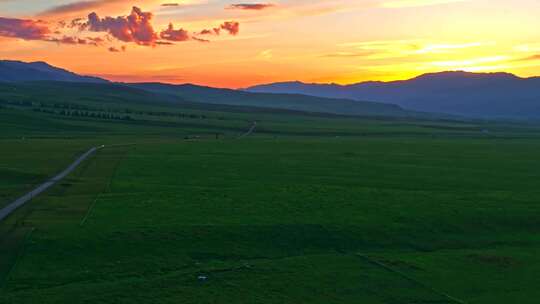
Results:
237 44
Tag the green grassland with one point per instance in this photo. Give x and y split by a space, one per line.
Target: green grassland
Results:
309 209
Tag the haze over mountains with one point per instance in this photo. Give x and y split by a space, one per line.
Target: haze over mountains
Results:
32 81
293 102
495 95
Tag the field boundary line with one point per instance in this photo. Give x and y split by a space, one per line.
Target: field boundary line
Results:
413 280
106 188
10 208
17 258
89 211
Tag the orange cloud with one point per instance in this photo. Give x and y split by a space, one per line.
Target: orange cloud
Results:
415 3
171 34
530 58
95 41
82 7
214 31
113 49
251 6
136 27
232 27
76 7
170 4
40 30
24 29
69 40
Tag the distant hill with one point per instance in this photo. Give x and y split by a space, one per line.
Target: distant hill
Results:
192 97
494 95
295 102
17 71
55 82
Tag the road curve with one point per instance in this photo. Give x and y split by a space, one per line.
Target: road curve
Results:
6 211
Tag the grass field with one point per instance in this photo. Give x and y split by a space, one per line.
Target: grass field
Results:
309 209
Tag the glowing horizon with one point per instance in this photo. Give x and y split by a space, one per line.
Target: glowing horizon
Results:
238 44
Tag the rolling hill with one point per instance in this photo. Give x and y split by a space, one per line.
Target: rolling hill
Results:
38 81
17 71
494 95
187 96
294 102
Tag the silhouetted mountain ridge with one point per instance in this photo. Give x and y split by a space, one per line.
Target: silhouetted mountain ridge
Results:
460 93
54 82
294 102
18 71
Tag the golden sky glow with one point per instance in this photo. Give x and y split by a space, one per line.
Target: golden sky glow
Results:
342 41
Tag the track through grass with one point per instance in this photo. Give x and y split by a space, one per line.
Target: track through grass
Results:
275 220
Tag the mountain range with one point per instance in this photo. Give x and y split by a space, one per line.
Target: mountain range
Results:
292 102
476 95
17 71
35 80
482 95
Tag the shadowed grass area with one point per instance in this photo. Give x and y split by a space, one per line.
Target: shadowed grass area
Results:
282 221
63 205
310 208
25 163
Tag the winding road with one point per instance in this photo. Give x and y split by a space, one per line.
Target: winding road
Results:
6 211
9 209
